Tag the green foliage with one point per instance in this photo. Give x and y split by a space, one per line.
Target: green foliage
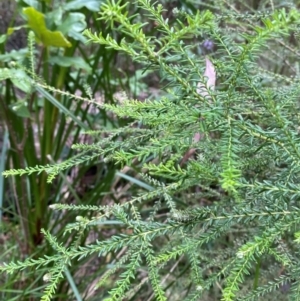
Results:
40 121
221 155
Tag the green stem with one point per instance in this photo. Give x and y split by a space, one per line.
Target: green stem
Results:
257 271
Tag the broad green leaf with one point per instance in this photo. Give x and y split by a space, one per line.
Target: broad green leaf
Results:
18 77
93 5
5 73
73 26
14 55
78 36
36 22
2 38
74 21
54 17
33 3
76 62
21 109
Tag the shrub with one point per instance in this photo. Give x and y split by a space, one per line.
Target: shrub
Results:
218 154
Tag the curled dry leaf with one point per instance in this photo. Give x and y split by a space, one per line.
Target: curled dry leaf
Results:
210 73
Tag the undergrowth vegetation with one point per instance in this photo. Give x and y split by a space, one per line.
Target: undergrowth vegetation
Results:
195 188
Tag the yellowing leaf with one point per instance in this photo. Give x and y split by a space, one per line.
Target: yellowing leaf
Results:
36 21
